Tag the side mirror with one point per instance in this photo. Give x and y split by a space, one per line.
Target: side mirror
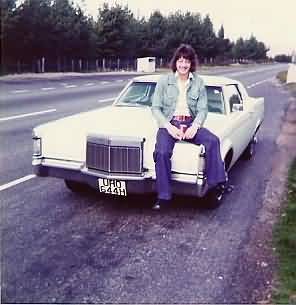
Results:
237 107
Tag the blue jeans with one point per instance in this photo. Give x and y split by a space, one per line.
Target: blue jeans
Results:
215 170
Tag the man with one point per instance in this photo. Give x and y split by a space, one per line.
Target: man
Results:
180 108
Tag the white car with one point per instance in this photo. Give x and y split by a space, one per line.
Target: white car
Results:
111 148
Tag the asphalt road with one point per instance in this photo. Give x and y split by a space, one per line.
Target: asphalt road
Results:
60 247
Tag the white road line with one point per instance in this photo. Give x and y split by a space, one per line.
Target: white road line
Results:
89 84
104 83
107 100
20 91
240 73
70 86
259 83
250 71
15 182
119 80
47 88
19 116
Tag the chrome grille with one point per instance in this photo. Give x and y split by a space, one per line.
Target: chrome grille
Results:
118 155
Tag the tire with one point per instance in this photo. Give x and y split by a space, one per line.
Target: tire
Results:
76 187
250 151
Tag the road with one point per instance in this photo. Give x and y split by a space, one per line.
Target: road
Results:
60 247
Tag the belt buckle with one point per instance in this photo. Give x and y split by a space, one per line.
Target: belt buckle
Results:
183 127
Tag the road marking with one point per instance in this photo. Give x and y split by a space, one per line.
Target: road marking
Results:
250 71
20 91
107 100
70 86
241 72
19 116
47 88
15 182
119 80
104 83
89 84
259 83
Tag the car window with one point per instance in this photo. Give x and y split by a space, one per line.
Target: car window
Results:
232 96
137 94
215 99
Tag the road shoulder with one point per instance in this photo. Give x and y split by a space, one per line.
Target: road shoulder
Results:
258 264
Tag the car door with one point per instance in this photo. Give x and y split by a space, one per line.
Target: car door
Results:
240 118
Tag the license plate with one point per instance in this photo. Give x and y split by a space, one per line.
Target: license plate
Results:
111 186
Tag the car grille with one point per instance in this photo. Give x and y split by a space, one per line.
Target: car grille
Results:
118 155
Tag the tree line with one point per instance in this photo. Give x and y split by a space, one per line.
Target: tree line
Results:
61 34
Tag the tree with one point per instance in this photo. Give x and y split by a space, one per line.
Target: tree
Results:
141 38
283 58
31 25
156 29
64 31
223 46
208 47
251 48
193 29
55 29
8 27
84 44
114 28
261 51
183 28
239 50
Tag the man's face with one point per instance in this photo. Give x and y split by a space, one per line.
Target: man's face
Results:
183 66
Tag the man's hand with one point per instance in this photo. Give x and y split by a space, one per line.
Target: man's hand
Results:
190 132
174 131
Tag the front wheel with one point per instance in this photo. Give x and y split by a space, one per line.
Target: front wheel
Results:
251 148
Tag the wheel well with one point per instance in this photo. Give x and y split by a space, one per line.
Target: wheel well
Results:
257 128
228 158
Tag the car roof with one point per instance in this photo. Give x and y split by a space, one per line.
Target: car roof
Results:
210 80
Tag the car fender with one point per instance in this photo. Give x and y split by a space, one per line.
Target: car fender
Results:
225 147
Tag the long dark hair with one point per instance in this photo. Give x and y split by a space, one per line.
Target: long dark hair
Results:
186 51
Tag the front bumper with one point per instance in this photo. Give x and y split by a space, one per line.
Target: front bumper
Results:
182 184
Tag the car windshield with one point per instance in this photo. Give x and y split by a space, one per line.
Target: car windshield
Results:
137 94
141 93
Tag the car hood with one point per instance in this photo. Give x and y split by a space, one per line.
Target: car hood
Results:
66 138
115 120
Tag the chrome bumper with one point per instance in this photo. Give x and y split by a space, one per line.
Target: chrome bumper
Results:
182 184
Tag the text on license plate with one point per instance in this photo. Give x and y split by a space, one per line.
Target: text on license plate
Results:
111 186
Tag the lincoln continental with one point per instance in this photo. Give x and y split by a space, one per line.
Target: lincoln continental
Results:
111 148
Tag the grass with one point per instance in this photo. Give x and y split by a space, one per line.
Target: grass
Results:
285 243
284 236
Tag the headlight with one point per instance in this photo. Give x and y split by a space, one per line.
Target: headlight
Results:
37 146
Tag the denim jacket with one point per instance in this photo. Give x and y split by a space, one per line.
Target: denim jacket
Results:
166 94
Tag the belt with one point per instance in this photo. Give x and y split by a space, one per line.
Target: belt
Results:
182 117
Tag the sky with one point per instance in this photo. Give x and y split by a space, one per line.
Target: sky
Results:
272 22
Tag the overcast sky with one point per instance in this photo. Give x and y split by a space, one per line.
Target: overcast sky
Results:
273 22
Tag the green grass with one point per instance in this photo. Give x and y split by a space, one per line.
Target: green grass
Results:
285 243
